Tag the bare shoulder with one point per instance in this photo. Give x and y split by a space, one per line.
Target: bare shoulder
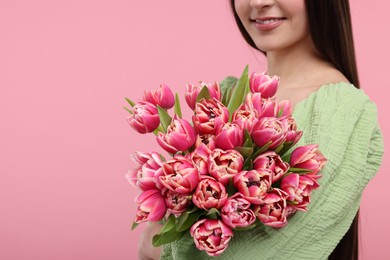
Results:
330 75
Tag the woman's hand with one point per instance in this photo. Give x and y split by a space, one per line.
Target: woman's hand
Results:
146 251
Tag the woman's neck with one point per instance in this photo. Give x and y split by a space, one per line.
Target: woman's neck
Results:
296 67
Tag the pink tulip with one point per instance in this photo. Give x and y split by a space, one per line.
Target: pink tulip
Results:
200 157
268 129
271 161
228 135
224 165
144 118
264 84
151 206
273 212
244 117
192 92
207 111
292 134
211 235
308 157
179 137
145 175
176 202
299 188
209 194
237 213
207 139
265 107
253 184
162 97
180 175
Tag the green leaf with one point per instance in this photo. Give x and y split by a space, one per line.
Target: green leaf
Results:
244 151
227 86
165 118
286 157
279 148
286 148
167 237
299 170
239 92
177 107
248 139
128 110
204 93
280 112
155 132
213 213
230 188
130 102
246 91
188 220
168 225
134 226
262 149
248 164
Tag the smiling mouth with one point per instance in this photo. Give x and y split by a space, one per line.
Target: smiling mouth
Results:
268 21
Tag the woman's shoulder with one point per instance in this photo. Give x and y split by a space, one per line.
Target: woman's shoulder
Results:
337 98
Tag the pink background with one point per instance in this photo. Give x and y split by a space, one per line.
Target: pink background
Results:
65 67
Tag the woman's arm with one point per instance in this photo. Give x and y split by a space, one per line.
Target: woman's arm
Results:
146 251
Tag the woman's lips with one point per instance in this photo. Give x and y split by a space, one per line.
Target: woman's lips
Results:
267 24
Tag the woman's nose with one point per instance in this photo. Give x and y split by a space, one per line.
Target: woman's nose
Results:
258 4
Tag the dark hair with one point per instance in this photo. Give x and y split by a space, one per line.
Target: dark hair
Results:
331 31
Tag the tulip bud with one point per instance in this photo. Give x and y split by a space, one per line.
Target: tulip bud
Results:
207 111
237 213
176 203
192 92
179 137
273 211
151 206
162 97
211 235
264 84
253 184
145 175
144 118
299 188
180 175
209 194
228 135
224 165
272 162
268 129
308 157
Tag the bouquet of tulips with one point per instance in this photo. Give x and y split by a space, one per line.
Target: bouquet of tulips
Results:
229 169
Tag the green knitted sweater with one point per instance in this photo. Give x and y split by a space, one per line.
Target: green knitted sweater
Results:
343 121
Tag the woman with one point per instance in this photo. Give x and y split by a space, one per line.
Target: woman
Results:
309 45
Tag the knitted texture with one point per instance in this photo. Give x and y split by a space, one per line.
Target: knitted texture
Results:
343 121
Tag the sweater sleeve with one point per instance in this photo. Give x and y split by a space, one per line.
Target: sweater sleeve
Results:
343 121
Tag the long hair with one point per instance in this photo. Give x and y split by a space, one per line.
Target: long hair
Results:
331 31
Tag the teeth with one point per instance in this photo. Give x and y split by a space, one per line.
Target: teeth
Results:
268 21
